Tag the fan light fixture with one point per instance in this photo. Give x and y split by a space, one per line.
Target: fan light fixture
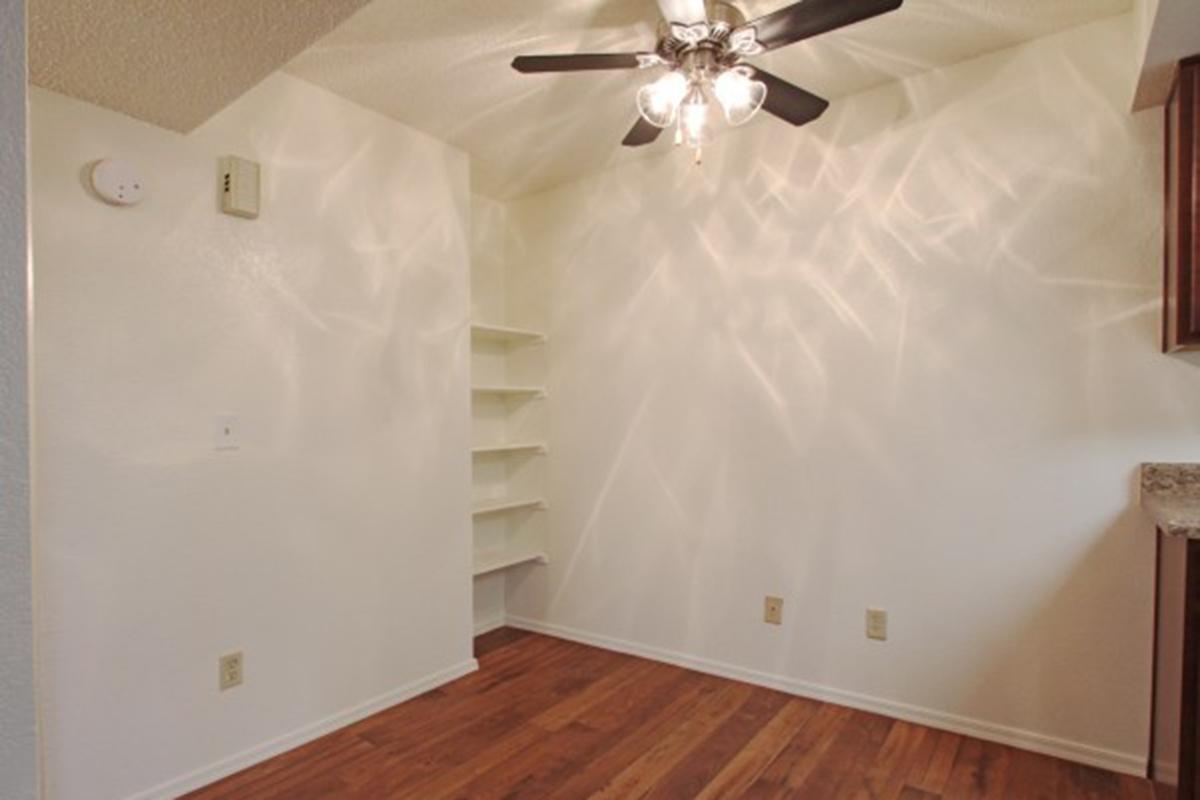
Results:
704 44
683 101
658 102
704 62
739 94
694 130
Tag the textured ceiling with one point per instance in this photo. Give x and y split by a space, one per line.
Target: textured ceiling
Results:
171 62
443 67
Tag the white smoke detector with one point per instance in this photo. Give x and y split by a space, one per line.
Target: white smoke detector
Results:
117 182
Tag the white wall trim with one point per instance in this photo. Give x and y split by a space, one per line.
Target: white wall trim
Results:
488 625
1127 763
247 758
19 734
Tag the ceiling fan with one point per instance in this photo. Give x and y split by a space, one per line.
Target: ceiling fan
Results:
703 45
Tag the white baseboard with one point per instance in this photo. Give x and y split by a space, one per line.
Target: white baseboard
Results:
1128 763
488 625
246 758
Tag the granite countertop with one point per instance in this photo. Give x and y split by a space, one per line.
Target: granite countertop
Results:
1171 495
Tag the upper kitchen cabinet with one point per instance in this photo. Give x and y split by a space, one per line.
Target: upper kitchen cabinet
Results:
1181 317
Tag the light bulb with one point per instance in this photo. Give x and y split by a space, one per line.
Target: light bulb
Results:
658 102
693 118
739 95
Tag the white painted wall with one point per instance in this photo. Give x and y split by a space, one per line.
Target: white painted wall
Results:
907 358
489 237
18 740
333 548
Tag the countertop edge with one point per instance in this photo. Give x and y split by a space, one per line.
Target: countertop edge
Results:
1170 495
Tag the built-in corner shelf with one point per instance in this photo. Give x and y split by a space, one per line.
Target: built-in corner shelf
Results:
505 335
503 559
510 391
483 507
511 447
508 466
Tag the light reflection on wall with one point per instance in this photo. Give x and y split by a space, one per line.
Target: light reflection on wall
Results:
335 327
905 357
444 68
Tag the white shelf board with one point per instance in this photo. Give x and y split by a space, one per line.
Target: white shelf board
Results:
503 333
482 507
503 559
511 447
510 391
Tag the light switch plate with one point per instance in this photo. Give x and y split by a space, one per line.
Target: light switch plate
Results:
229 670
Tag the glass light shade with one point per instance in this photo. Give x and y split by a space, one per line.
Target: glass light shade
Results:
740 95
694 129
658 102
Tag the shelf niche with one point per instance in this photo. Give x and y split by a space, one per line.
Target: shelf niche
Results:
509 408
508 428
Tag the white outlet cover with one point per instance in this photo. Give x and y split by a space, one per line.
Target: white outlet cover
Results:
227 433
877 624
117 182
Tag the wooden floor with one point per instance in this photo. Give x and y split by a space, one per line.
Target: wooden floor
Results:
546 718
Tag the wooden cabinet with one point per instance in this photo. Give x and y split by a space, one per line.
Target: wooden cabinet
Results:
1176 725
1181 312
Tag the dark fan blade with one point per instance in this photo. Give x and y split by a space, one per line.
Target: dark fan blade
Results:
789 102
641 133
811 17
575 62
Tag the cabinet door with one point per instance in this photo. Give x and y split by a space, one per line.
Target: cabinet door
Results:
1169 657
1181 317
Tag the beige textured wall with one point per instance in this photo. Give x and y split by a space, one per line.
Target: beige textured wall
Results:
906 357
333 547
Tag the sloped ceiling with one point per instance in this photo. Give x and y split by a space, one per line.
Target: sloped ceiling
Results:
174 63
443 67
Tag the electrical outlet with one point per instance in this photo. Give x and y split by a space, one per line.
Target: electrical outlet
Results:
773 610
877 624
227 433
230 670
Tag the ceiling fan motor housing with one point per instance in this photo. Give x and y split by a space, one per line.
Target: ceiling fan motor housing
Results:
721 16
706 46
724 14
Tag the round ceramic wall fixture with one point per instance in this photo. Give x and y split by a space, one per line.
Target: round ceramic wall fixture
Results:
117 182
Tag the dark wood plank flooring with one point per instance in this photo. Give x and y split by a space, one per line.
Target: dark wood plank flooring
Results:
547 718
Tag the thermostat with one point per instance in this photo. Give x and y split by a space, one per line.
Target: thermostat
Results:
239 187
